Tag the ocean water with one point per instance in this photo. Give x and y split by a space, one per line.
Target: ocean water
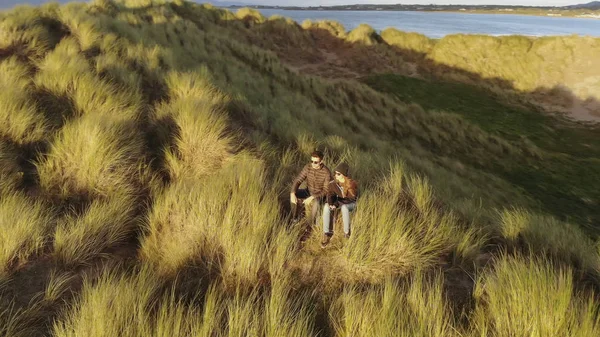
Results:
437 25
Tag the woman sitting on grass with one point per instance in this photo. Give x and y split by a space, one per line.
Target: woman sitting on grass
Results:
342 194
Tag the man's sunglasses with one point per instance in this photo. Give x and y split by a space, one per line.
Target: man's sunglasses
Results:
315 162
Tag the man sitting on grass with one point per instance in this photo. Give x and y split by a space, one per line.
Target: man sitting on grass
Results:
317 177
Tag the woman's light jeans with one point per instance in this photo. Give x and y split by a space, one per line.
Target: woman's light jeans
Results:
346 209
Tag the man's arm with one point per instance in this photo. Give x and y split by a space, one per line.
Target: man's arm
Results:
299 179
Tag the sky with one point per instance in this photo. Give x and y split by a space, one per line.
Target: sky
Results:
10 3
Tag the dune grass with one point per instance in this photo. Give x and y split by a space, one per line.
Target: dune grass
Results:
528 63
334 27
523 63
14 322
528 296
226 218
406 232
407 40
178 125
536 135
249 13
30 31
546 235
105 224
21 121
65 71
25 225
92 156
9 168
414 308
364 34
118 301
196 108
98 314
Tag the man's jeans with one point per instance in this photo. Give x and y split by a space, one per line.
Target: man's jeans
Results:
314 206
346 209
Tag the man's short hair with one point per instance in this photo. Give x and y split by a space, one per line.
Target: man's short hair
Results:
318 154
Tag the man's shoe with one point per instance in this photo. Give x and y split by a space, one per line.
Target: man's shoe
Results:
325 240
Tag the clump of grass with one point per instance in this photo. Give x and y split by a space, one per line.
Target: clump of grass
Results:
364 34
228 214
9 168
407 40
134 306
60 68
15 74
470 243
529 296
513 223
92 156
58 285
282 19
103 6
288 313
17 322
334 27
113 306
250 14
272 314
411 232
197 108
82 26
546 235
26 31
174 237
141 3
118 70
283 32
66 72
21 122
24 229
414 308
106 223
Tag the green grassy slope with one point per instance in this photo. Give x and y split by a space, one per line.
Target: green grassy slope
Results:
147 150
565 176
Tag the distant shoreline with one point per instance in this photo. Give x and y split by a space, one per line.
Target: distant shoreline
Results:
530 11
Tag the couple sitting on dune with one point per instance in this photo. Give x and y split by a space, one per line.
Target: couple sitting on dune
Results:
337 192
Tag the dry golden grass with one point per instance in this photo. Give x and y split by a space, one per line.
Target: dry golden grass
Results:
93 156
105 224
25 228
182 129
528 296
10 176
21 121
415 308
363 34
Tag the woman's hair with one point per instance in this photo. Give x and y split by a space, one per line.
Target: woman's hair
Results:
350 186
